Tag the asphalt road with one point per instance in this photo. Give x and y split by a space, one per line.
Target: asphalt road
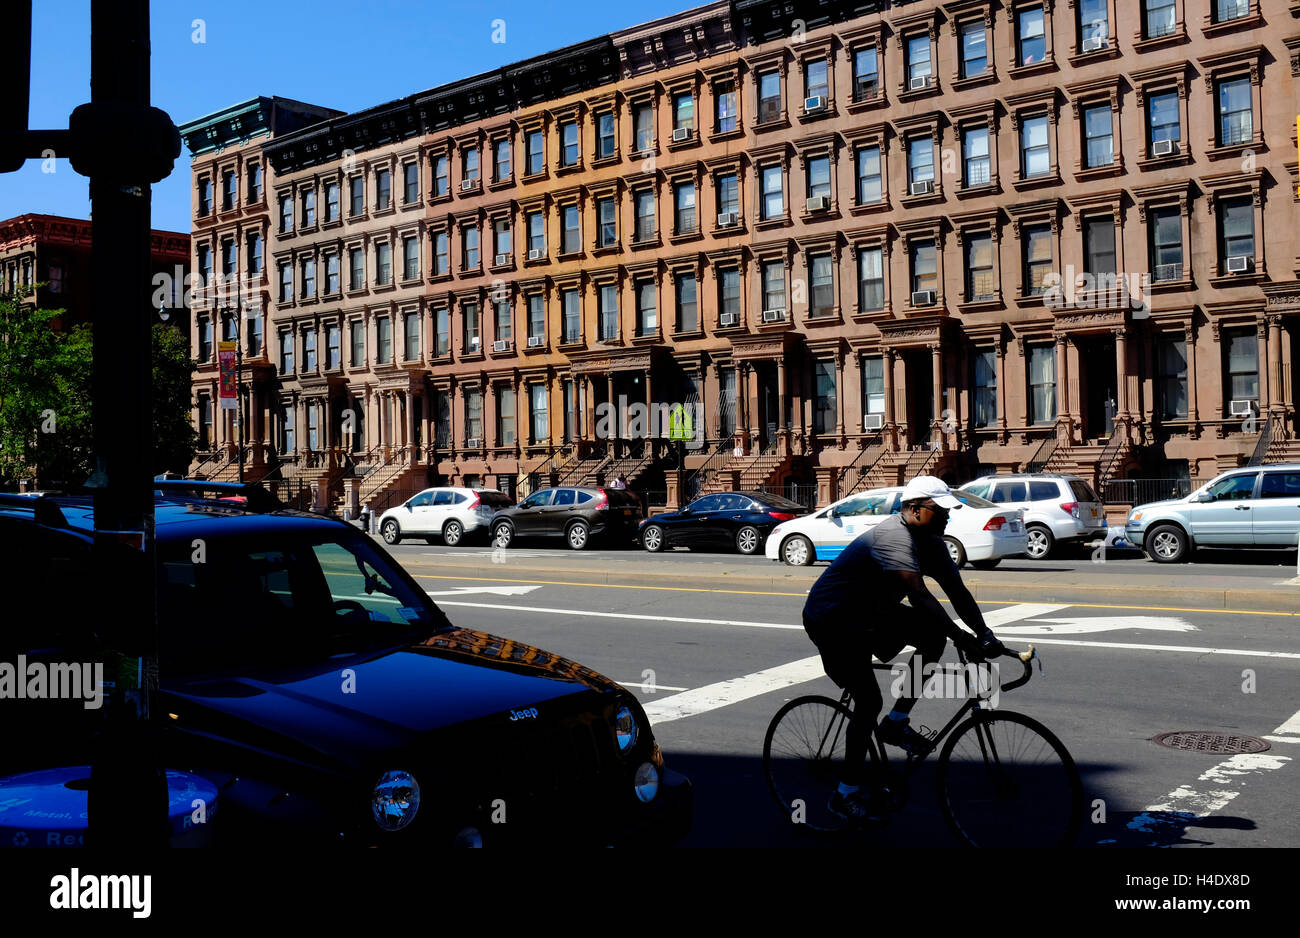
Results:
1113 679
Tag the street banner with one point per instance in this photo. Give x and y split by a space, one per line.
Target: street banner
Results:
226 359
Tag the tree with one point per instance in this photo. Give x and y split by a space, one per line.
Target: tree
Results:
174 436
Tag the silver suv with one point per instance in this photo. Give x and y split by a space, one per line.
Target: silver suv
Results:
1256 506
448 513
1057 508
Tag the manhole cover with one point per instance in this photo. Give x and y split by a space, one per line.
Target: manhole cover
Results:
1211 742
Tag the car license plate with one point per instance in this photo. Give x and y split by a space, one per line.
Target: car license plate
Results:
1094 512
627 511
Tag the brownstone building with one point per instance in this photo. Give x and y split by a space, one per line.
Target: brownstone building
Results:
866 240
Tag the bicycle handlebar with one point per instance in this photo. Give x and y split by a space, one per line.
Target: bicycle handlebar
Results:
1026 658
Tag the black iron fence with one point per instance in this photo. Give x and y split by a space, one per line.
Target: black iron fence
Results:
1142 491
801 493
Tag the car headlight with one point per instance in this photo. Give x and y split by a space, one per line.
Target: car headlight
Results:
395 800
625 729
646 782
1135 517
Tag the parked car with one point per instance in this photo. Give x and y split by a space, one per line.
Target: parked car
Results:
981 532
577 514
327 697
1058 509
1257 506
451 514
741 520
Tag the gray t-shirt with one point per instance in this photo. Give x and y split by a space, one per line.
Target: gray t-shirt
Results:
854 585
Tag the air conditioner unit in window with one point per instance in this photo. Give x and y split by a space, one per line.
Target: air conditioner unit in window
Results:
1164 148
536 254
502 260
728 319
815 103
1093 44
535 341
819 203
1239 263
773 315
681 133
924 187
873 421
923 298
916 84
727 219
1244 408
468 184
500 345
473 443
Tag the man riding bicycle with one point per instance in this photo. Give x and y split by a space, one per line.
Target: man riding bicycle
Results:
855 611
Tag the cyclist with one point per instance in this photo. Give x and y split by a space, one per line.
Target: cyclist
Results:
854 611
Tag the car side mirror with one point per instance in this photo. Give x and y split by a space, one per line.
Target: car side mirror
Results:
687 511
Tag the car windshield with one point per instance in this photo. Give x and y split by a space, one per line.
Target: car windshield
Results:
227 602
971 500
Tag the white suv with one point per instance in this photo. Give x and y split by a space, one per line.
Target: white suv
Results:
1057 508
449 513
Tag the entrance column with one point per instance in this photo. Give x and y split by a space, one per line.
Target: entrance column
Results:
1190 339
1121 380
936 398
1261 360
612 410
782 431
891 432
1062 392
1275 362
839 397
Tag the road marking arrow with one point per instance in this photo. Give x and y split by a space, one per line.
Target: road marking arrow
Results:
495 590
1076 625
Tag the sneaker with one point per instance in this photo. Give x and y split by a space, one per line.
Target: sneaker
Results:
900 733
856 808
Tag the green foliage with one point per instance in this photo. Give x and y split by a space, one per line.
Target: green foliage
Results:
174 436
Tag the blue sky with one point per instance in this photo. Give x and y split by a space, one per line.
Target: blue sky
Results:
335 53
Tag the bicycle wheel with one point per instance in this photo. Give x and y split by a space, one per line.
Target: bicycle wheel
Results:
1005 780
803 757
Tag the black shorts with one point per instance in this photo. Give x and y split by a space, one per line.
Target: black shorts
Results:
847 648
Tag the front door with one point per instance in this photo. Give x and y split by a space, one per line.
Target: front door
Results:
920 395
770 402
1097 358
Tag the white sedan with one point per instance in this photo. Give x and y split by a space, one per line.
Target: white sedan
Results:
981 532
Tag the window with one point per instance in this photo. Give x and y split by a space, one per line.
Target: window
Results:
383 263
410 258
1166 226
729 290
332 352
871 280
724 97
254 183
866 73
205 196
309 350
309 208
920 160
441 175
410 183
205 265
501 237
684 111
873 384
570 305
1094 24
925 266
536 316
205 340
606 142
974 49
356 195
506 416
984 401
823 285
1037 241
331 201
1162 117
442 326
570 232
684 208
1236 229
411 337
502 160
227 190
228 327
469 247
205 422
569 391
541 423
503 317
1099 141
975 156
286 352
688 309
1161 18
773 283
1280 485
356 269
870 187
383 189
331 273
228 258
1225 10
773 196
1171 360
1042 384
643 126
647 308
606 223
536 233
1031 38
819 177
286 282
645 214
824 410
728 185
441 253
253 338
918 60
1235 118
469 312
769 96
308 276
473 414
816 80
980 284
608 311
287 422
286 213
1035 156
1241 351
383 340
358 334
1099 245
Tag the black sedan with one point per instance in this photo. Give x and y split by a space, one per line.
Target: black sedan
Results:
724 519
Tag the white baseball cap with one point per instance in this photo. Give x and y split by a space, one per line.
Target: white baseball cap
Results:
932 488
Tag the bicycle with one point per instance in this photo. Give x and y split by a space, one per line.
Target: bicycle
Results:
1003 778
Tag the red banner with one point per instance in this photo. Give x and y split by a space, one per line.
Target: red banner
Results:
229 388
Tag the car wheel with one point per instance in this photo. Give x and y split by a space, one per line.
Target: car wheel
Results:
391 532
452 532
502 535
748 540
955 551
577 535
1166 543
1039 543
798 551
986 564
652 538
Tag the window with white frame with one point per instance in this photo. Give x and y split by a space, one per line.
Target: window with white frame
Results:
980 283
870 184
974 48
773 284
773 197
688 309
822 270
647 308
1035 152
976 167
1099 140
607 311
571 310
871 280
1042 384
